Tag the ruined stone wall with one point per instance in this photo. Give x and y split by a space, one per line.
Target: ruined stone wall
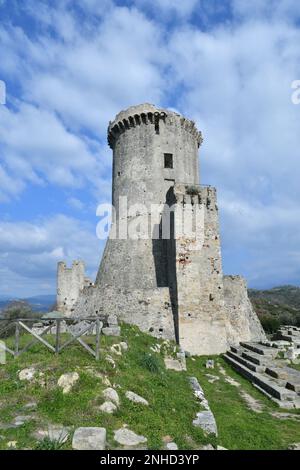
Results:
149 309
243 323
201 313
70 283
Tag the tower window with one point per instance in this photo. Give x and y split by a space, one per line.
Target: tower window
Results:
168 159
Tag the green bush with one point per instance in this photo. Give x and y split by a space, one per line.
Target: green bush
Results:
13 311
49 444
270 324
150 362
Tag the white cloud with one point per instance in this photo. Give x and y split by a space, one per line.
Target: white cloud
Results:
71 84
233 77
280 9
237 84
29 252
181 8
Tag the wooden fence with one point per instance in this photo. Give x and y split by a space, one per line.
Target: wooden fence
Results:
53 326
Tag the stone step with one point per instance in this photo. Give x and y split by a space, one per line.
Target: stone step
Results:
251 356
283 404
286 337
242 360
264 382
257 359
259 349
277 344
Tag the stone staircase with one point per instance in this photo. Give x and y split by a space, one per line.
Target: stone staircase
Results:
290 334
259 363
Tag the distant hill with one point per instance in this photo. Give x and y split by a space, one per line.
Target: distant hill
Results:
39 303
281 304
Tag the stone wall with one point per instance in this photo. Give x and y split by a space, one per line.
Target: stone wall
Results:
201 313
243 323
149 309
70 284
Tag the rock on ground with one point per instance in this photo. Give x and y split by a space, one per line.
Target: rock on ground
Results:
128 438
173 364
111 395
67 381
89 439
108 407
136 398
31 406
111 361
295 446
111 331
171 446
116 349
206 421
27 374
12 444
212 378
20 420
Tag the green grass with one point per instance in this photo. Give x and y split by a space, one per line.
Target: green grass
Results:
49 444
172 406
295 366
171 403
239 427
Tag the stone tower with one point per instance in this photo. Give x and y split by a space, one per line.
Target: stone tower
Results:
152 149
171 286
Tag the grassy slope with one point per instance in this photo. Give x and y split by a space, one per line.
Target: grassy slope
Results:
172 405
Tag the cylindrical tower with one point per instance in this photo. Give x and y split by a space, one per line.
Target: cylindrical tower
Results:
152 150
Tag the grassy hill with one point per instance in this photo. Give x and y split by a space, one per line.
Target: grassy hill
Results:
246 419
39 303
277 306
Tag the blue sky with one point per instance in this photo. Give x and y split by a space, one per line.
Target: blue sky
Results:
69 69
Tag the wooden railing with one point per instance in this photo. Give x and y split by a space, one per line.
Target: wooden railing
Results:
53 326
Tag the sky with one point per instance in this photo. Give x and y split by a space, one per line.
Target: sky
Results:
70 66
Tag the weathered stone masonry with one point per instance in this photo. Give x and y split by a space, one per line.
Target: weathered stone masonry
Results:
170 288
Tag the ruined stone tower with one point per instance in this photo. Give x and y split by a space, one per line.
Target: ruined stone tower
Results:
173 286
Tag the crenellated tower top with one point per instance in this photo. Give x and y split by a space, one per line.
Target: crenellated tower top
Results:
150 115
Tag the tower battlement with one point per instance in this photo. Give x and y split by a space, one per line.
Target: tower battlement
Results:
147 114
70 283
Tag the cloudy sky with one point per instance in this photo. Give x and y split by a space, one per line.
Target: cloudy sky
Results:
70 66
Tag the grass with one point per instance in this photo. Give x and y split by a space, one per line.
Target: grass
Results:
49 444
240 427
172 406
295 366
139 370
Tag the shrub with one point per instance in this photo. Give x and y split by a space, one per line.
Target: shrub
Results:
150 362
13 311
270 324
192 190
49 444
